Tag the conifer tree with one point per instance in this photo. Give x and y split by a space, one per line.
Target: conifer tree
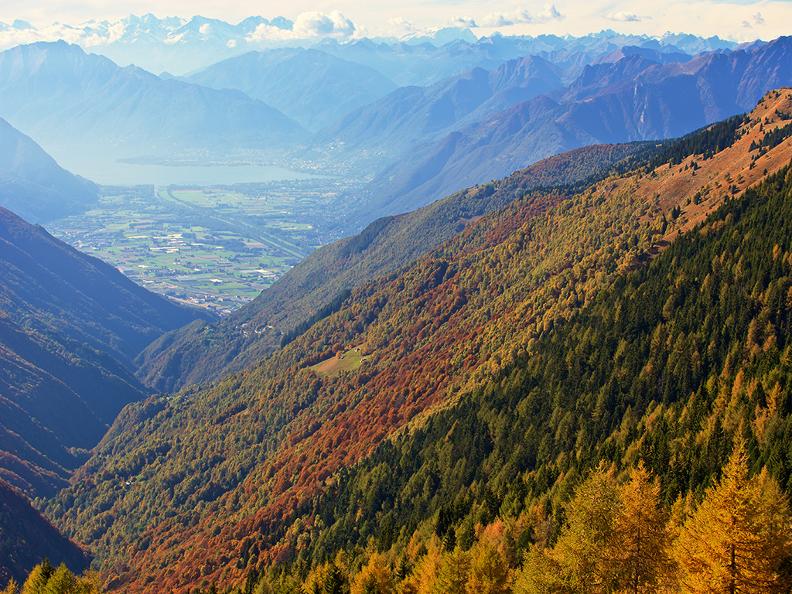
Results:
37 578
738 539
489 572
62 581
375 577
12 587
452 575
639 548
581 550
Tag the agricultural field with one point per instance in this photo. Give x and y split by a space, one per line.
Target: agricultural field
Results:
214 247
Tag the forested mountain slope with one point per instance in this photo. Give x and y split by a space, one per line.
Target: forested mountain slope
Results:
211 484
70 326
317 286
26 538
34 185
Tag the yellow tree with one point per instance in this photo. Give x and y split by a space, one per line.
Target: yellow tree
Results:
424 575
581 550
375 577
12 587
738 538
452 575
37 578
62 581
489 571
639 552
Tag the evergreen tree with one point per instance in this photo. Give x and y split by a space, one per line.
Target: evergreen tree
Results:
37 578
581 550
738 539
452 575
639 549
489 572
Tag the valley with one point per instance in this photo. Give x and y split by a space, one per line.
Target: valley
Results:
214 247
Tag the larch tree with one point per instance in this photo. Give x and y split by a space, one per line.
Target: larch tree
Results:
738 538
452 575
375 577
37 578
582 547
639 551
489 571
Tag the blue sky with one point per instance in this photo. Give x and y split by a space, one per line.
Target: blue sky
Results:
736 19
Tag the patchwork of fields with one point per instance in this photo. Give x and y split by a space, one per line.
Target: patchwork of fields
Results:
215 247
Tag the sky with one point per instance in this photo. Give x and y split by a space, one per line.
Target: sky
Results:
741 20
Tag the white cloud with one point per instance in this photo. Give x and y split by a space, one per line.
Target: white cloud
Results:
464 22
308 25
317 24
521 17
625 17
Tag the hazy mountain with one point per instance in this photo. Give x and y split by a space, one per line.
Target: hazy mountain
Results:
26 538
631 99
69 100
410 64
33 184
70 326
310 86
413 114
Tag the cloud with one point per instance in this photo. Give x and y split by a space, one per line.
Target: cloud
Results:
317 24
756 19
464 22
308 25
520 17
625 17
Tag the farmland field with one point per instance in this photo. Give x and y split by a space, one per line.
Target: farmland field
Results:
215 247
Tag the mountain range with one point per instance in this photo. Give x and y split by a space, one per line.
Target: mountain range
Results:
71 101
183 45
33 184
634 98
359 431
326 86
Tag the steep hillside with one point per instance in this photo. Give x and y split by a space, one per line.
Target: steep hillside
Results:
215 478
310 86
70 326
65 98
632 99
33 184
27 538
316 287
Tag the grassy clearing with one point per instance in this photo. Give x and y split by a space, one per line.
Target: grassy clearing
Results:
345 362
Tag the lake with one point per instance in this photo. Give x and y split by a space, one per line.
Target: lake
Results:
110 172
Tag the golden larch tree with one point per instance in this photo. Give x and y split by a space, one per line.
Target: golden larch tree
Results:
739 537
